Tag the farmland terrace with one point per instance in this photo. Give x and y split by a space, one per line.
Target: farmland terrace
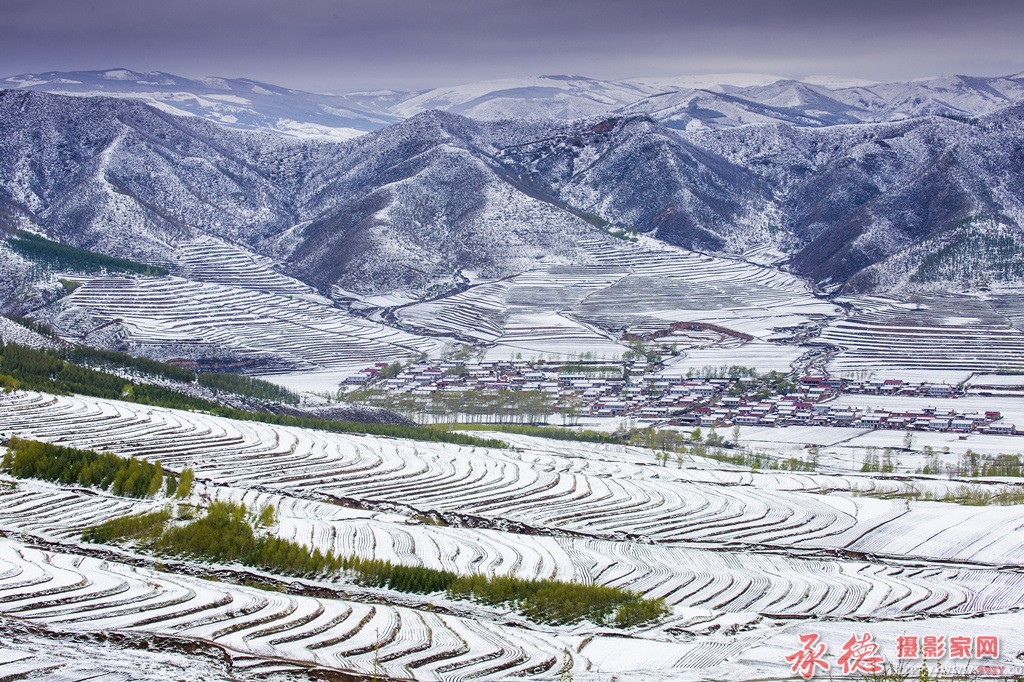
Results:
801 550
227 306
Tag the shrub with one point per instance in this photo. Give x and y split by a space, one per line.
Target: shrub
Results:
184 488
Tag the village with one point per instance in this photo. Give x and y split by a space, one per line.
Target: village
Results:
652 395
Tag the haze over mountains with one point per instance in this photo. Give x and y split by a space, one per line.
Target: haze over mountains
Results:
871 187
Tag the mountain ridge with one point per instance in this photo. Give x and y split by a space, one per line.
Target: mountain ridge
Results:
712 101
430 201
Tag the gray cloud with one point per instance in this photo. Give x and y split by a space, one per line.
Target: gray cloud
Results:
342 44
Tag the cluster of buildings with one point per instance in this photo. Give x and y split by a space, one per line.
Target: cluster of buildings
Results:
645 392
790 412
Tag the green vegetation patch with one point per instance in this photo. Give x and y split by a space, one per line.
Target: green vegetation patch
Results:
966 495
247 386
975 250
129 477
217 381
61 256
227 534
141 527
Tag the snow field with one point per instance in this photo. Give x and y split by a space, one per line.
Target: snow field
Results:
208 259
562 310
691 578
946 340
725 546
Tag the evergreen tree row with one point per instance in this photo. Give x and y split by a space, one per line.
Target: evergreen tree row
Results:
217 381
227 534
129 477
63 257
247 386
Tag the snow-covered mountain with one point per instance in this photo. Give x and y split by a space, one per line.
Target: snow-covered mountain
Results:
856 198
955 95
544 97
406 207
419 202
712 101
635 172
425 202
233 102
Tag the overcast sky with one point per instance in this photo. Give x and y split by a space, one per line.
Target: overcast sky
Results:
342 45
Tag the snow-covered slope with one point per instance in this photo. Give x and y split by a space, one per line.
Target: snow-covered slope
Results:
691 102
407 207
417 205
125 179
560 97
711 100
716 82
928 201
233 102
963 95
634 172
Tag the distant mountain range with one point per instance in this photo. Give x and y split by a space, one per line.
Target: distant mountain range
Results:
869 187
709 102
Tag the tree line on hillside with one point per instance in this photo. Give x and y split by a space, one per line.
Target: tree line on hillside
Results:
227 533
63 257
473 406
219 382
129 477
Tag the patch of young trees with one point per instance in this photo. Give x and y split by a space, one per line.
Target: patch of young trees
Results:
474 406
227 534
63 257
128 477
886 464
976 465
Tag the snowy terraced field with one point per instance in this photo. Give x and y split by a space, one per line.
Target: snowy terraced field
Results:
727 548
208 259
175 317
31 651
946 338
590 490
766 357
566 310
70 593
235 304
699 581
